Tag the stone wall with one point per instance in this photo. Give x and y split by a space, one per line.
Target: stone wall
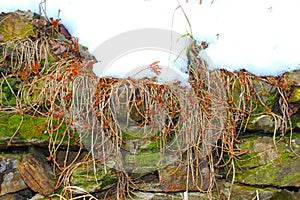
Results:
43 154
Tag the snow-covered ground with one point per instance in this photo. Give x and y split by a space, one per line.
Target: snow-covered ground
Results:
262 36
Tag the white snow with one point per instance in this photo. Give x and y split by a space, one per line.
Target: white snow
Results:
262 36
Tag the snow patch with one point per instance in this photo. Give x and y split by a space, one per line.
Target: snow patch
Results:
261 36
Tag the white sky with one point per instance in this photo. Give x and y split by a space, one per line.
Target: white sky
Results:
262 36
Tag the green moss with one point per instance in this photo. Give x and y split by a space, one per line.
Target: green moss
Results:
295 95
269 99
85 177
286 155
13 26
8 89
142 163
243 192
296 121
50 60
128 136
31 94
263 96
263 175
153 146
266 166
31 129
253 158
135 132
283 195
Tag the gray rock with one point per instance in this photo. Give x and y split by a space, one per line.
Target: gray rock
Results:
262 122
10 178
12 197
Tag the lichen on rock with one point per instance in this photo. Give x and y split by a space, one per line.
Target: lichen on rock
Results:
267 164
93 178
16 24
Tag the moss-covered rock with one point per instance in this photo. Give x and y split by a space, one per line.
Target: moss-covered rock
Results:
93 178
264 96
284 195
269 165
258 96
296 122
238 192
142 163
225 190
16 25
294 76
9 89
34 99
295 97
29 130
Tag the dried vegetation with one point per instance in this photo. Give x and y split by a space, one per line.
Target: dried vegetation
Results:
198 126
